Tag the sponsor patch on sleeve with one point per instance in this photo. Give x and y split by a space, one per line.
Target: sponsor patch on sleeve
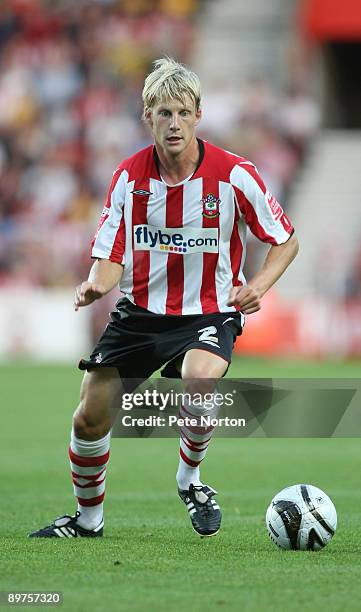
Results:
276 208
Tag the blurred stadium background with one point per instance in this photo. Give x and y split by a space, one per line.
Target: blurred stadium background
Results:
280 86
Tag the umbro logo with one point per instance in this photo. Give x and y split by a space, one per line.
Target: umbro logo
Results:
142 192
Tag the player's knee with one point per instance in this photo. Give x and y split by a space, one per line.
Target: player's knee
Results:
200 377
199 385
87 427
198 371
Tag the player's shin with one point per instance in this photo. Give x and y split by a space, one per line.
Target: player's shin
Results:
195 436
88 462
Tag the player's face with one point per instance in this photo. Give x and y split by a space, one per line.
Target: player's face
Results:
173 124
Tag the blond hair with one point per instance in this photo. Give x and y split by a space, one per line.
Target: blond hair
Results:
170 80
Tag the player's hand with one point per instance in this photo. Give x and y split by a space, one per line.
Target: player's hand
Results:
246 298
86 293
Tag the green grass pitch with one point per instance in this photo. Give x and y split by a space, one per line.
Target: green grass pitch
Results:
150 558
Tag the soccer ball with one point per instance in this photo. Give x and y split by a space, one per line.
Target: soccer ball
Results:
301 517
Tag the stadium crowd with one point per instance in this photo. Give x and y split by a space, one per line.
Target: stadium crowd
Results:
70 107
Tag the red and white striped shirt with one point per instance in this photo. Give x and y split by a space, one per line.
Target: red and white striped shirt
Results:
183 247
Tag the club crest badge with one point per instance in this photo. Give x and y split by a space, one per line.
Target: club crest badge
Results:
210 206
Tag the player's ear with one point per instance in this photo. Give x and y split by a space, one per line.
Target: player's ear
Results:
148 117
198 116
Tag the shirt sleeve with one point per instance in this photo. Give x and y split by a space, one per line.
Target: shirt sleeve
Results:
260 209
109 239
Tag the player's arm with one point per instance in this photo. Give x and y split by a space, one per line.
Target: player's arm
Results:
267 221
108 246
278 258
103 276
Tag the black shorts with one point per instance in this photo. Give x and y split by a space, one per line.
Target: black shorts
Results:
138 342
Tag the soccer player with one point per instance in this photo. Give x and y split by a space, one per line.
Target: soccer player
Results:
173 235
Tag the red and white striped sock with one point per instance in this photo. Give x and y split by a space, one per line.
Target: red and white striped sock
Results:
88 462
194 441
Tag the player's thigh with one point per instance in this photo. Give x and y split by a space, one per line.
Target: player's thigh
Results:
100 396
201 369
199 363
